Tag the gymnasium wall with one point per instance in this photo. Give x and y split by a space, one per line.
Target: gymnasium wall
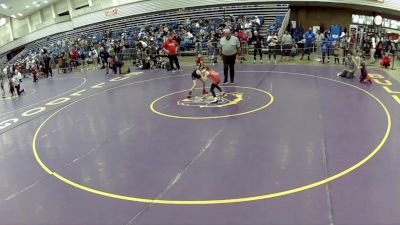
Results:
28 28
309 16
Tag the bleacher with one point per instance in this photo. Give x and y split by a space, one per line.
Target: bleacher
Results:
270 15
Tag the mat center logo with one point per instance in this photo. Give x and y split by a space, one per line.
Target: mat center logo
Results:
206 101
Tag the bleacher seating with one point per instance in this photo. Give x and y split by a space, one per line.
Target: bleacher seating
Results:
268 14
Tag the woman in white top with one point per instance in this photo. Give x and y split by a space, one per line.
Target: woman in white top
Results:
272 41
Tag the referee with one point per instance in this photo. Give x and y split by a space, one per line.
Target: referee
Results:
230 45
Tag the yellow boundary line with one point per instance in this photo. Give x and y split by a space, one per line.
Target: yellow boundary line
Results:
152 107
221 201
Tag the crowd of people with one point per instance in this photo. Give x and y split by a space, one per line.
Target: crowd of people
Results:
147 44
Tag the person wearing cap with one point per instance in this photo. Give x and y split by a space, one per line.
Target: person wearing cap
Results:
230 45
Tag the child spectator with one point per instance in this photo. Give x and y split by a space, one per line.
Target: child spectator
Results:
336 52
364 73
386 61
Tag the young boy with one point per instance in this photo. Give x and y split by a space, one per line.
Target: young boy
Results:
364 73
197 75
336 53
216 79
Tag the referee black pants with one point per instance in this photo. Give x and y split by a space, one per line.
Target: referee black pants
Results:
229 65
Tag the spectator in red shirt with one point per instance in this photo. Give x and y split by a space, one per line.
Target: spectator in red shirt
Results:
385 61
74 58
171 48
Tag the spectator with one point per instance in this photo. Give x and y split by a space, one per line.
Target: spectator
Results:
171 47
3 92
386 61
272 41
104 55
230 45
345 47
293 51
350 67
47 65
287 42
373 50
258 41
17 82
309 37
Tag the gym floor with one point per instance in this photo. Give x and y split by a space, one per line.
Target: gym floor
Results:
289 144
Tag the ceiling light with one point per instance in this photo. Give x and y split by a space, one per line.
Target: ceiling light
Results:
37 5
34 2
45 2
20 14
3 6
27 6
13 16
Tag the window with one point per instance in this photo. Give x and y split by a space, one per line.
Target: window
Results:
2 21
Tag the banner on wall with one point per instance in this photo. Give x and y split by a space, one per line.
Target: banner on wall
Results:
111 12
336 31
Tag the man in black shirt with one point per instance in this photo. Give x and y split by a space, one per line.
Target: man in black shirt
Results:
258 41
47 67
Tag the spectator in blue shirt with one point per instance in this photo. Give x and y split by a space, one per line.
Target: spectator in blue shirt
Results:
309 36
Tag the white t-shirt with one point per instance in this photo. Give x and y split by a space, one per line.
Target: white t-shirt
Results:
373 42
272 40
15 80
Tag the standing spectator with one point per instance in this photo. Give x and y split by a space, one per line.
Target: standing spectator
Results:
309 36
324 50
320 39
350 67
11 86
258 41
104 55
171 47
47 66
286 44
373 50
272 41
336 53
17 83
3 92
345 47
230 45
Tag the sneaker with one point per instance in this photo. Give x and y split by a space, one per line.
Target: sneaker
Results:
254 61
232 82
180 70
225 83
261 61
338 74
173 71
215 100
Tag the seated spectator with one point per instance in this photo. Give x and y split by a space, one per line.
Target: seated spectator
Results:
350 67
293 50
386 61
